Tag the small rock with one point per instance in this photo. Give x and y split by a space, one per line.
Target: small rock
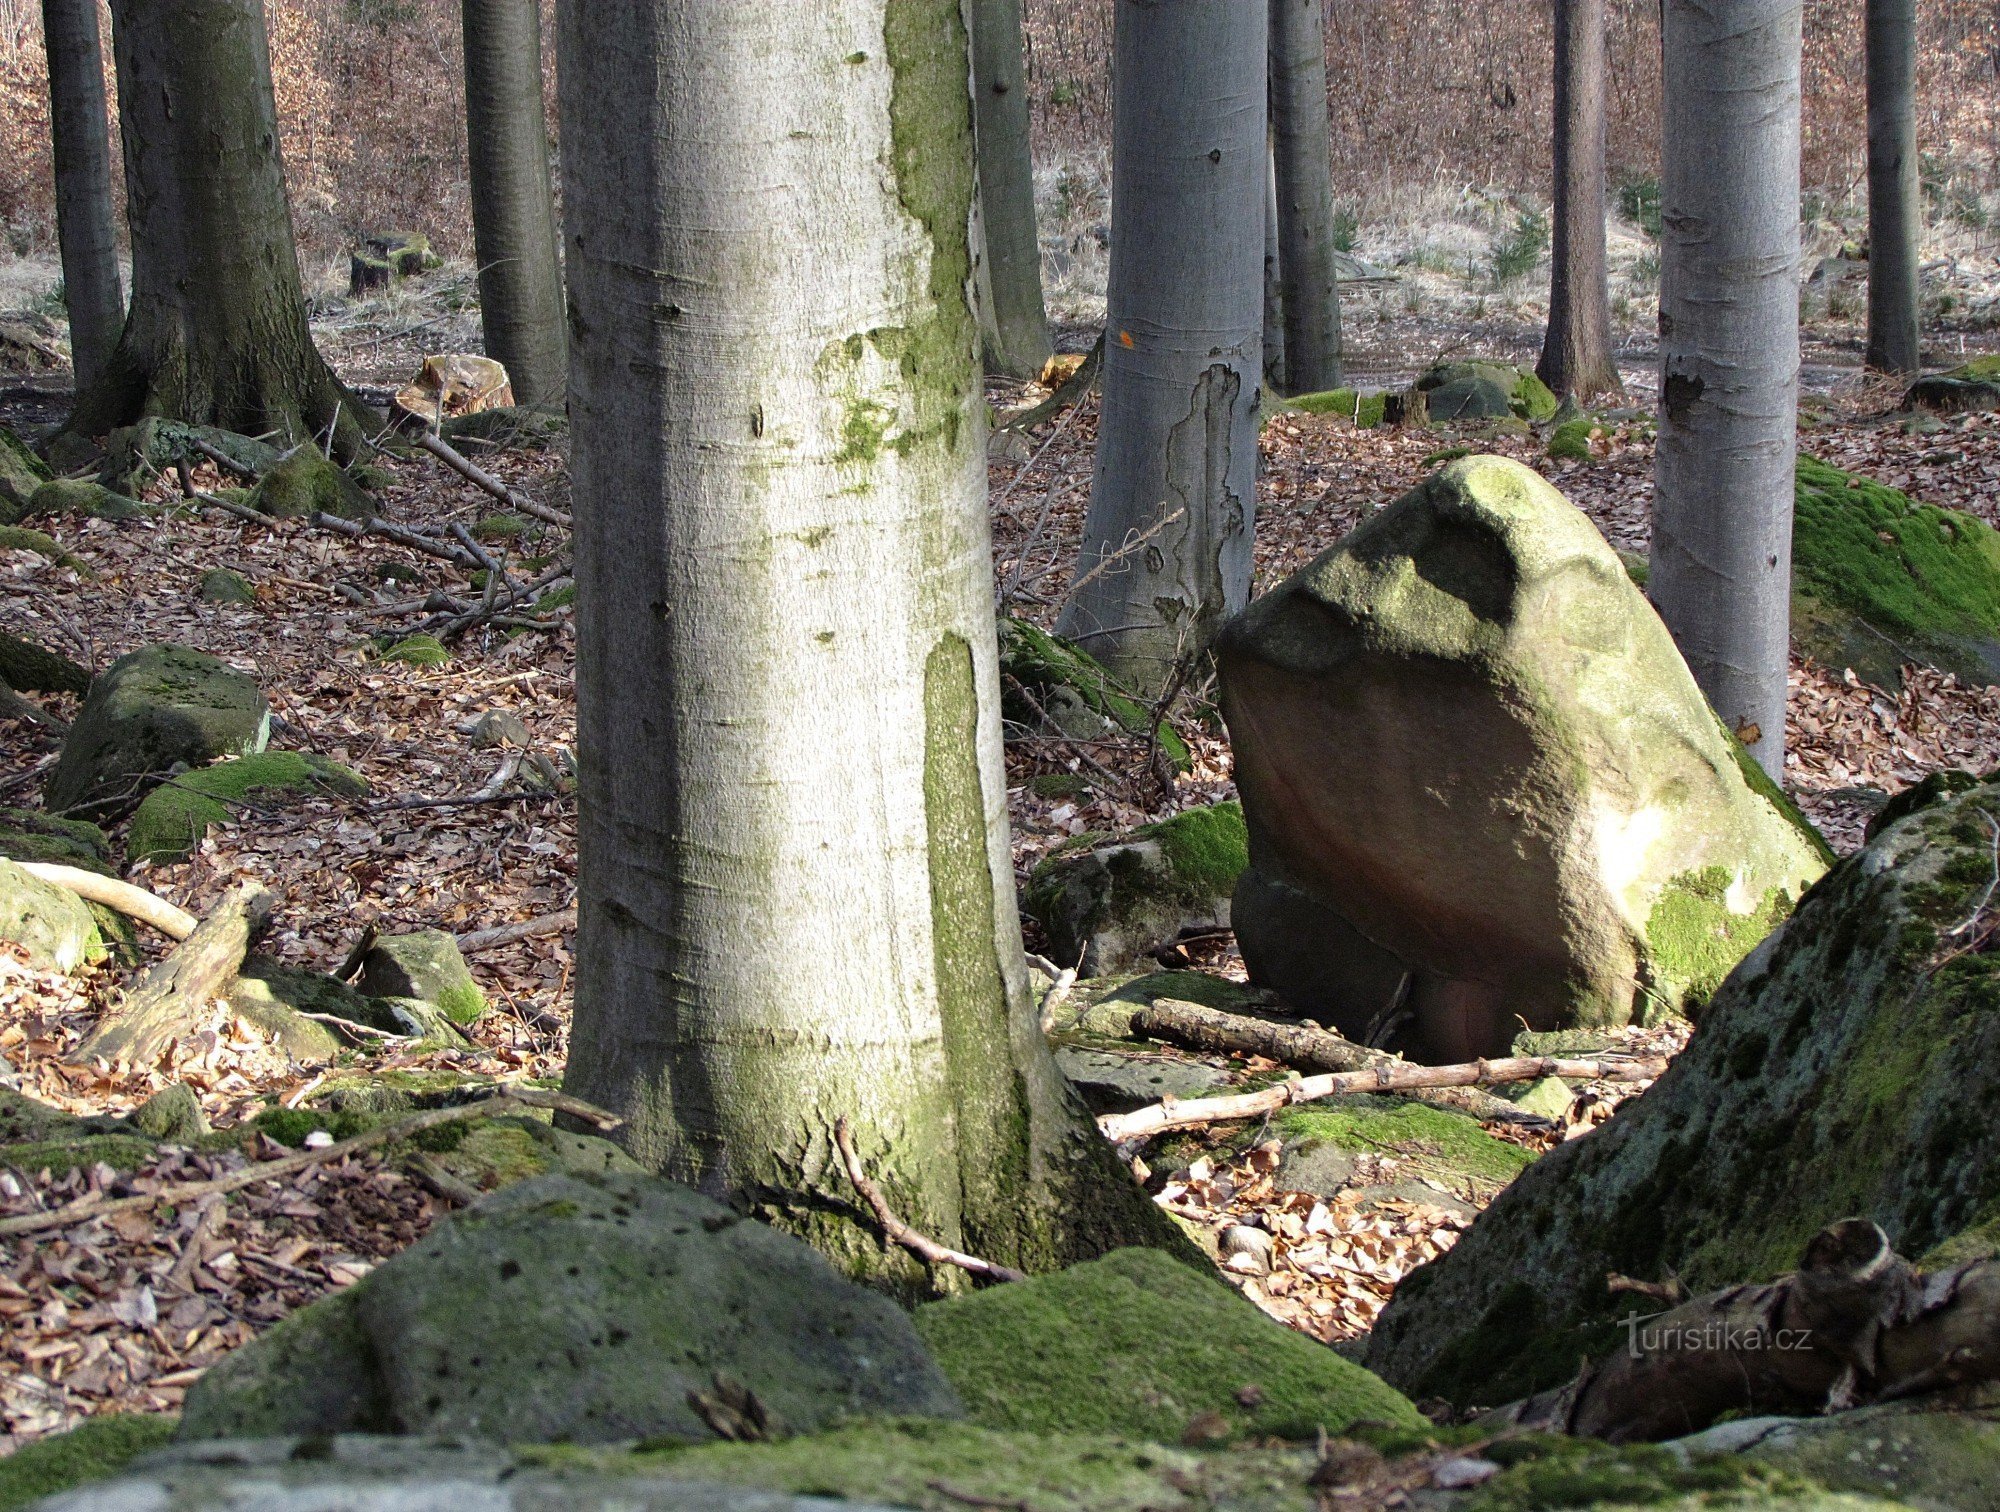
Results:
172 1115
221 586
1246 1249
1462 1474
425 964
497 727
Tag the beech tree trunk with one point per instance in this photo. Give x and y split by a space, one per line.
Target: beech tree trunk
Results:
1166 552
217 331
1576 357
1894 206
1274 287
1305 196
796 901
85 226
1015 325
513 204
1729 355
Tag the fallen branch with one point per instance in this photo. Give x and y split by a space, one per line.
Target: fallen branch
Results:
466 468
507 934
899 1232
122 897
1390 1076
175 993
98 1205
1070 391
1304 1049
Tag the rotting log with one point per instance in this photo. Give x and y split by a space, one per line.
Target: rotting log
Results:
1297 1045
173 996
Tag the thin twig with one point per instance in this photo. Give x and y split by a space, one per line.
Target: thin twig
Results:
899 1232
466 468
507 934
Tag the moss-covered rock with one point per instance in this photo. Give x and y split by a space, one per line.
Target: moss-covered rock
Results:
1849 1066
385 257
173 817
21 473
417 651
1106 903
23 1120
1541 1472
171 1115
1365 410
78 497
52 924
73 1152
507 426
1141 1345
1570 441
30 835
426 964
619 1298
221 586
135 454
95 1450
1438 1144
1484 390
274 998
501 527
20 538
1880 580
306 483
28 668
1475 768
1051 677
150 711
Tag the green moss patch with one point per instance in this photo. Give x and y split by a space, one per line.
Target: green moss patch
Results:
1138 1344
96 1449
1208 848
1072 688
417 651
1544 1473
501 527
307 483
20 538
1525 395
1570 441
71 496
1365 410
30 835
221 586
1449 1146
175 815
1697 939
21 474
122 1152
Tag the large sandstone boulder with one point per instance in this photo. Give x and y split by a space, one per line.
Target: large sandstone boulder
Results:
1849 1066
150 711
52 924
583 1310
1476 769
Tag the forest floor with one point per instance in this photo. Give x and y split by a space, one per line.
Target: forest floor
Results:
119 1317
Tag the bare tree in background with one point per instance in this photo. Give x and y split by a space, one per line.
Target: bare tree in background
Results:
1576 358
513 206
1729 355
1015 322
1301 152
85 224
1166 552
1894 205
217 331
796 895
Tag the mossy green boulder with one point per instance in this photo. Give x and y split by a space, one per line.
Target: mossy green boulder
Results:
28 668
417 651
580 1310
1570 441
95 1450
1107 902
1482 788
506 426
21 473
31 835
1880 580
173 817
1365 410
52 924
20 538
306 483
153 710
1048 681
1140 1345
1429 1144
1484 390
276 999
1850 1066
84 499
221 586
425 964
135 454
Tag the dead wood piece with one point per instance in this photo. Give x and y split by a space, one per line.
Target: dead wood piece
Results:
100 1205
1386 1076
899 1232
122 897
15 706
440 1182
1296 1045
1070 391
173 997
466 468
507 934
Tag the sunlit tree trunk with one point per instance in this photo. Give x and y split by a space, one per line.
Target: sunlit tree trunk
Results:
1166 552
1274 288
1894 205
796 895
217 330
85 226
1576 351
1016 329
1303 156
513 208
1729 354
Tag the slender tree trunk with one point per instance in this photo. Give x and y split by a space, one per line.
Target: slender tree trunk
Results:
1166 552
217 330
795 894
1274 288
1305 195
1015 323
1729 354
513 205
85 225
1576 351
1894 206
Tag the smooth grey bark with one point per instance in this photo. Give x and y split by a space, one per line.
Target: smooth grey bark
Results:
1576 359
796 899
1894 206
1304 161
1166 551
1015 323
85 225
513 203
1274 288
1729 354
217 330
